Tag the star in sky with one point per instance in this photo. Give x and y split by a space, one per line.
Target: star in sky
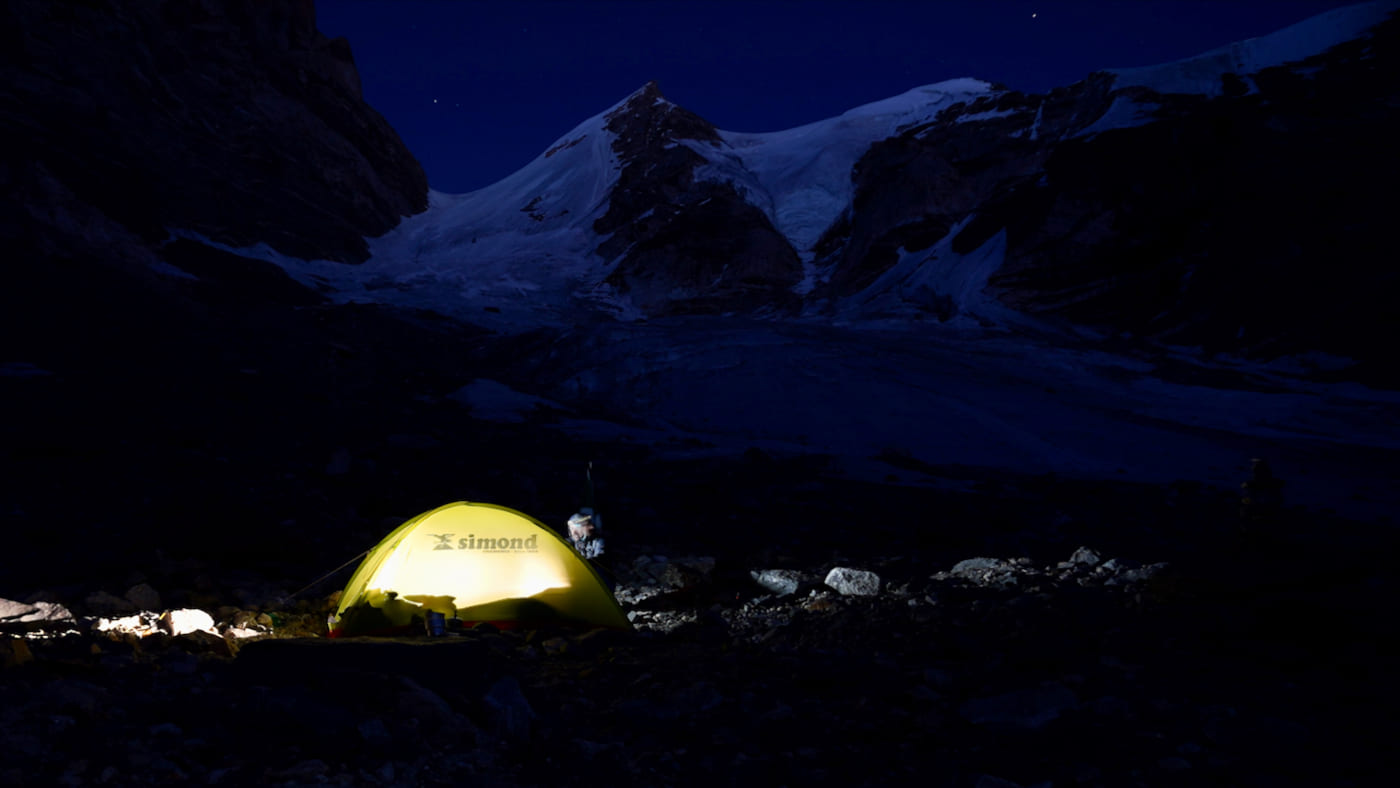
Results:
519 93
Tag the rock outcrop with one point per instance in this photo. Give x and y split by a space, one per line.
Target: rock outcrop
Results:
1230 222
233 119
1224 216
681 243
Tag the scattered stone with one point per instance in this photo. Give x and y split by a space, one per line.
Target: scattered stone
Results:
10 609
185 621
973 566
415 701
29 616
752 674
14 652
595 642
206 642
853 582
782 582
980 568
1139 575
511 713
1027 708
139 624
987 571
102 603
143 597
651 576
1085 557
48 612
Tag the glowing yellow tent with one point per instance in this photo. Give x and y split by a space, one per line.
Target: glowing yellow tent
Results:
476 562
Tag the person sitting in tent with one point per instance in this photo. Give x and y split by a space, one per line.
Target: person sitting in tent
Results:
584 533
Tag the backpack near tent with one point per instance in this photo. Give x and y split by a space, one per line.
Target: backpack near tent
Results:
476 562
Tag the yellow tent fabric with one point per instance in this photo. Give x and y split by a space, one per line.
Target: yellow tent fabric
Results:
477 562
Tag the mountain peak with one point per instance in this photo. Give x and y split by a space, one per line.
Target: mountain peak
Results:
646 95
646 117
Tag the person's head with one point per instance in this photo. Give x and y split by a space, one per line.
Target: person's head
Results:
581 522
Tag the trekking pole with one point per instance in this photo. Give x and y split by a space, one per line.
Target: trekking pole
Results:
588 491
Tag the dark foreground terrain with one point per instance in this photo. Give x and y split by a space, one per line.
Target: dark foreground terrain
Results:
1173 650
225 463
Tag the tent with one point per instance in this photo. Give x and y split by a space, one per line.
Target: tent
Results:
476 562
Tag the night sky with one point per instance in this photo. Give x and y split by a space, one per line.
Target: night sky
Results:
479 89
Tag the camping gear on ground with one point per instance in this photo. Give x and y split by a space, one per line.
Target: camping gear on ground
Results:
473 563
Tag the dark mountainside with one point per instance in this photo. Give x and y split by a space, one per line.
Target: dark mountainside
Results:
220 440
1243 224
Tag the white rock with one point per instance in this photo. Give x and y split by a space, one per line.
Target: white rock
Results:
138 624
853 582
780 581
47 612
12 609
186 620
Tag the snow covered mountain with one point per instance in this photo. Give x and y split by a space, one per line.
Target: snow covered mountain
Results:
645 209
1111 203
641 210
956 275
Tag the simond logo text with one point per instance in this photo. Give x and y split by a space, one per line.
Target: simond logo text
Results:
517 544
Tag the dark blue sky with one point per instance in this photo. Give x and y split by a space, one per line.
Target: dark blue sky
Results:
478 89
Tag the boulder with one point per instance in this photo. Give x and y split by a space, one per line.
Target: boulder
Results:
993 572
185 621
510 711
143 596
853 582
104 603
1085 557
10 609
978 567
14 652
29 615
783 582
237 120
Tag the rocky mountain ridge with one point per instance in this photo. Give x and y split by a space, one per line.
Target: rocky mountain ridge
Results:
1188 203
234 120
1201 222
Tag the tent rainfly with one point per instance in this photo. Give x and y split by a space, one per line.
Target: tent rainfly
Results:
477 562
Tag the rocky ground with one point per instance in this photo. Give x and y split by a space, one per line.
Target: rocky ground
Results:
218 482
1082 634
